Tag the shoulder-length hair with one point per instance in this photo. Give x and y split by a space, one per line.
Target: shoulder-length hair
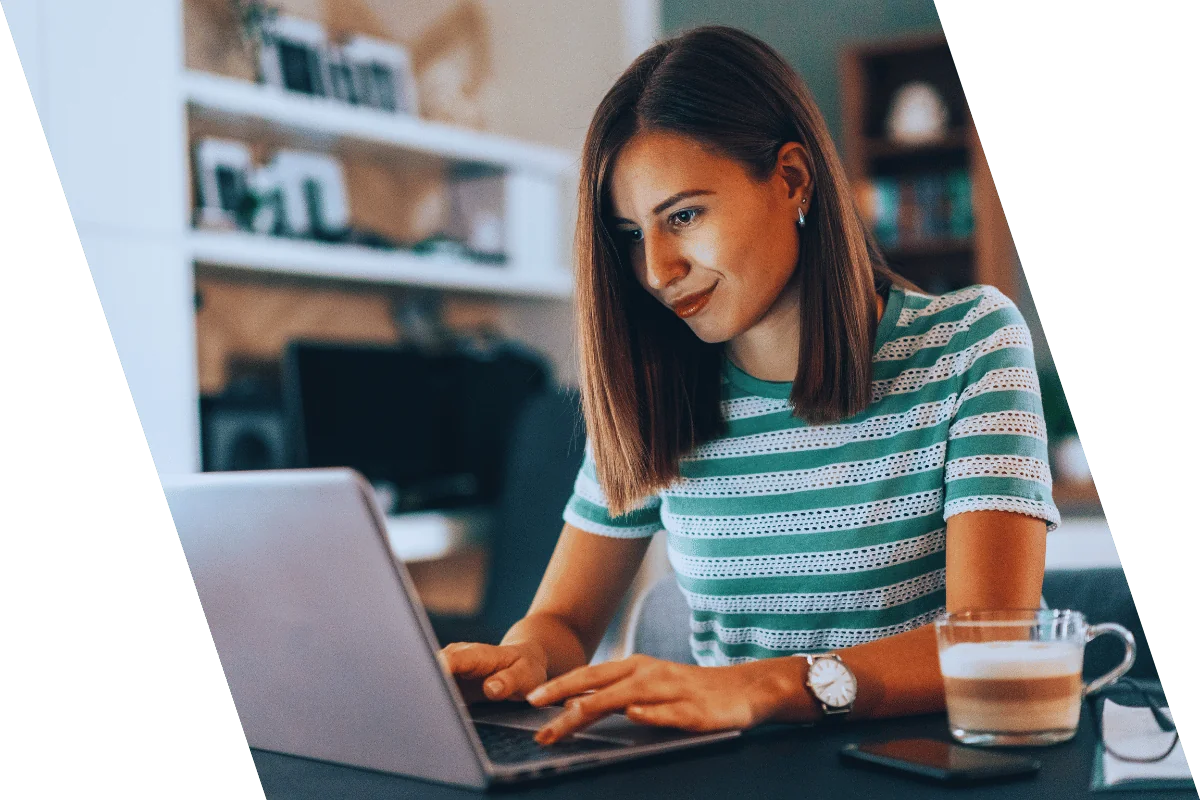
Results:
651 388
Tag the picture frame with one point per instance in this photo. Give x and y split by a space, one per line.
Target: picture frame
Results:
477 200
223 169
266 216
340 73
294 55
383 76
312 191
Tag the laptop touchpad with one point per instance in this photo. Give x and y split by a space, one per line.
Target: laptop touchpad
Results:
613 728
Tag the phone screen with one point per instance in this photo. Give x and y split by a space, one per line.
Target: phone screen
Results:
941 760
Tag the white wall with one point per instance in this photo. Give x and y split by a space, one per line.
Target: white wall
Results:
104 77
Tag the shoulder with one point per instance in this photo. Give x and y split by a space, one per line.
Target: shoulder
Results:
962 307
956 323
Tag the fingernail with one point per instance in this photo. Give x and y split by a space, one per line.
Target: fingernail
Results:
543 736
493 687
535 696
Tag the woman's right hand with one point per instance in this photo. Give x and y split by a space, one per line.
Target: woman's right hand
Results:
495 672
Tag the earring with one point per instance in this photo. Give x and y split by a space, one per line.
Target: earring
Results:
800 216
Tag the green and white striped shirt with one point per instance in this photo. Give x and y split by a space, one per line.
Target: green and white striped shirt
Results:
788 537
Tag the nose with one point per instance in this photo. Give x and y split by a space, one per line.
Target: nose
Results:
664 263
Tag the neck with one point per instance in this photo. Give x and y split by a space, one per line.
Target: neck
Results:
770 349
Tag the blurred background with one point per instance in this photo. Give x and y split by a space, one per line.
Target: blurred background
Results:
337 232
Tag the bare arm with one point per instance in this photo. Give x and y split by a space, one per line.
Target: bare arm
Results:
584 582
994 559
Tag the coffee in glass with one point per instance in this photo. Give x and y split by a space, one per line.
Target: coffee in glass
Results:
1015 677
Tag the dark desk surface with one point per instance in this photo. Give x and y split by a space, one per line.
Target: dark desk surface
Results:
792 763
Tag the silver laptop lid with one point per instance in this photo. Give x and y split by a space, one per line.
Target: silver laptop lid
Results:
326 648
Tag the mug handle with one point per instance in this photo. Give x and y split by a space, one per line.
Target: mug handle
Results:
1113 675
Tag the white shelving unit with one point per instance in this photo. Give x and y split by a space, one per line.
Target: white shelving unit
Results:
303 258
115 109
254 109
533 175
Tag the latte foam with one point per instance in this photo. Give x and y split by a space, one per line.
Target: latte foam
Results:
1011 660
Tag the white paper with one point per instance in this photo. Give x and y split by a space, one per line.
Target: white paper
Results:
1132 731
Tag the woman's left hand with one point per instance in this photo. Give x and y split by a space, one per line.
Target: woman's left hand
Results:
651 691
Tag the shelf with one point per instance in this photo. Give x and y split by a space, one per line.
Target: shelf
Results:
932 248
955 140
255 111
303 258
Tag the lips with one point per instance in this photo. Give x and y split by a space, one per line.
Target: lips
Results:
693 304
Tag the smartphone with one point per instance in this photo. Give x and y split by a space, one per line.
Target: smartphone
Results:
942 762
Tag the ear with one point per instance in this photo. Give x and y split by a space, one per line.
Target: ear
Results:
794 168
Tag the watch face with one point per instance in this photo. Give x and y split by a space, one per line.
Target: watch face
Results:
832 683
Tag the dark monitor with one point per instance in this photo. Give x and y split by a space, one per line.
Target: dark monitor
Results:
434 428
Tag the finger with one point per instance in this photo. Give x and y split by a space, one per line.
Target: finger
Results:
583 710
631 691
443 655
565 724
681 714
580 680
479 660
512 682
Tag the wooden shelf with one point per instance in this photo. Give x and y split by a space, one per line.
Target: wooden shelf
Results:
303 258
882 148
964 246
254 111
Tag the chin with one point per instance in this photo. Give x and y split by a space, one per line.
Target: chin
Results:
710 331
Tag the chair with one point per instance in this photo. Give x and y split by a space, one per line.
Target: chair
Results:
660 623
544 456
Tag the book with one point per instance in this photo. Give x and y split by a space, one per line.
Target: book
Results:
1133 732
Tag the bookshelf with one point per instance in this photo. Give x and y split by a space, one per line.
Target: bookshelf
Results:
933 203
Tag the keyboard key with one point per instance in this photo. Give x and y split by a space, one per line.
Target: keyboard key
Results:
505 745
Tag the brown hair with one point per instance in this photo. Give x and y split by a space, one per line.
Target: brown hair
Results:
651 388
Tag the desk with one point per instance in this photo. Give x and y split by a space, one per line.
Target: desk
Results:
446 553
789 763
430 535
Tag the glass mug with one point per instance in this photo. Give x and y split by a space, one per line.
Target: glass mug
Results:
1015 677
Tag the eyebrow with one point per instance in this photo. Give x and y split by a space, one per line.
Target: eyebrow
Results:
670 201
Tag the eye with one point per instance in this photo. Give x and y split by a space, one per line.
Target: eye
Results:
632 234
684 217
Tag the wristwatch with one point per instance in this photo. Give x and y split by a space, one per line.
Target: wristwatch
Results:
832 684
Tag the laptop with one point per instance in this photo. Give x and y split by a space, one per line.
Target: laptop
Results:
329 653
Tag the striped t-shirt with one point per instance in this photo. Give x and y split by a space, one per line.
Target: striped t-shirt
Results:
787 537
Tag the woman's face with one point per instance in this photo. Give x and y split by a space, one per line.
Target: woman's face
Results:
704 238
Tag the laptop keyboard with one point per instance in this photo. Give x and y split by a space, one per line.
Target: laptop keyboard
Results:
505 745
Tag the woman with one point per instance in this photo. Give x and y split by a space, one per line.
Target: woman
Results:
835 456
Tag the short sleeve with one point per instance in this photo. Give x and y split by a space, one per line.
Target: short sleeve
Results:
996 456
588 508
